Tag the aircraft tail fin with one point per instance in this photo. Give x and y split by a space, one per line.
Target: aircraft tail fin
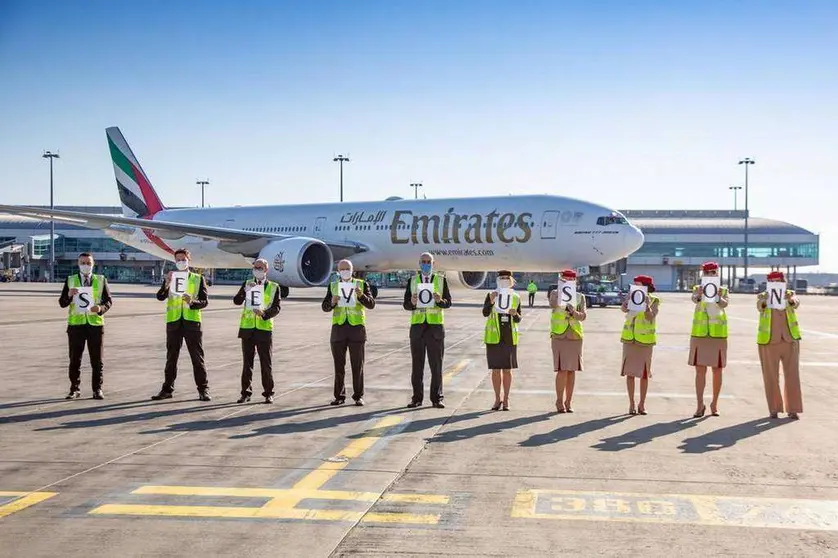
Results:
135 190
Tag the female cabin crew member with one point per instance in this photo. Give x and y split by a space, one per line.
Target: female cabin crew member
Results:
566 342
501 339
639 337
778 340
708 341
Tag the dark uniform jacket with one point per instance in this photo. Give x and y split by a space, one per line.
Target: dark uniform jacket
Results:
346 331
104 305
271 312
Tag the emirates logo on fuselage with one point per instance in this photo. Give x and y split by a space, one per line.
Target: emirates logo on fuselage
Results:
279 262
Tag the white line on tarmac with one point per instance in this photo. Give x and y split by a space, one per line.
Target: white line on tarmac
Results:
805 331
808 364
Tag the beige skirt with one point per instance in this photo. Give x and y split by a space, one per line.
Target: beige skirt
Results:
708 351
637 360
567 354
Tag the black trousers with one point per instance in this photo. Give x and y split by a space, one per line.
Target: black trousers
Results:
428 339
356 361
194 344
77 336
264 346
532 298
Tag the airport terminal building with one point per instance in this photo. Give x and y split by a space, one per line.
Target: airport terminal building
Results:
677 243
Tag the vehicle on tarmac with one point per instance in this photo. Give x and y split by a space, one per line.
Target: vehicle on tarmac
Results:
597 293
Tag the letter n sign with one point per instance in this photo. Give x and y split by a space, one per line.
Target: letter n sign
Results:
776 292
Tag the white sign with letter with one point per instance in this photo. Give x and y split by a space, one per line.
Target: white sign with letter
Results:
503 301
425 295
179 281
638 296
255 297
346 295
83 299
567 293
776 295
710 289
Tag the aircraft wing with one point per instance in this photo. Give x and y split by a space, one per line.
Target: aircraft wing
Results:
231 240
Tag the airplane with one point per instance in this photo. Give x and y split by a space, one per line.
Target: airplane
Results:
468 237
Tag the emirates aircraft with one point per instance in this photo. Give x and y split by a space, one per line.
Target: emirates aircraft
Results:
467 236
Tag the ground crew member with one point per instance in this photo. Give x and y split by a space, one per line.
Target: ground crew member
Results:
501 339
256 331
639 337
349 332
183 322
532 288
778 340
566 334
427 331
86 326
708 341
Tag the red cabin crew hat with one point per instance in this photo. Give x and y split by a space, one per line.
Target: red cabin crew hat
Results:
568 274
646 281
709 266
776 276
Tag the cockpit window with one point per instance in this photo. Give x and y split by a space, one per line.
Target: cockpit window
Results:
612 219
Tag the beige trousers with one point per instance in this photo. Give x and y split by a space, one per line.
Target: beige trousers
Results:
770 356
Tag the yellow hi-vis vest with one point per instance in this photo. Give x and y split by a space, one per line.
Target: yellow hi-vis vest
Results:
435 315
706 325
560 321
638 328
176 308
492 333
74 317
250 320
532 288
356 315
764 331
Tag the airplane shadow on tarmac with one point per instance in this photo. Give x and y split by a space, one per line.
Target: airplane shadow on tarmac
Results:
645 435
727 437
572 431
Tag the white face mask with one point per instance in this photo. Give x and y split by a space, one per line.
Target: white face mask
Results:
85 269
345 274
182 265
504 283
259 274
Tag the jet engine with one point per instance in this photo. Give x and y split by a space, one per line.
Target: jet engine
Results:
298 262
466 279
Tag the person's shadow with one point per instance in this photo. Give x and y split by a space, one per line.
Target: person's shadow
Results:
571 431
645 435
727 437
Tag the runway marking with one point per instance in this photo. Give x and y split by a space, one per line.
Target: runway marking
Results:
723 511
283 502
805 331
807 364
456 369
22 500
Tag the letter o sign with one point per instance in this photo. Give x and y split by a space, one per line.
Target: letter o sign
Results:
425 296
638 297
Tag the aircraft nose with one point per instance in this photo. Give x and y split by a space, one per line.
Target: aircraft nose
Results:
634 239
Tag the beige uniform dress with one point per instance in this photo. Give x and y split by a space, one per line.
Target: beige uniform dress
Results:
709 351
785 349
637 357
567 347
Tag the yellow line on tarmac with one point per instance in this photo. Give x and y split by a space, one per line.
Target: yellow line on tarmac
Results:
296 493
28 499
456 369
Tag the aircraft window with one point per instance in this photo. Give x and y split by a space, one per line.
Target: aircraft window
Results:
611 220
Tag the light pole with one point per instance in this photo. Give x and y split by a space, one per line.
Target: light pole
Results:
340 159
50 155
202 183
416 186
735 192
747 162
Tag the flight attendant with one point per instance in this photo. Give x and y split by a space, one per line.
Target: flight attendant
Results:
86 324
256 331
183 322
778 341
708 341
501 339
532 288
349 333
639 337
427 331
566 334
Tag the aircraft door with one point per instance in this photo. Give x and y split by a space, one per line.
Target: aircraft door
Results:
319 224
548 224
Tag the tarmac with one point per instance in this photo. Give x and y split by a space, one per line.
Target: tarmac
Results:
131 477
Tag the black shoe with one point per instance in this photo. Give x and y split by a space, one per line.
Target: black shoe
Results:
338 402
414 404
204 396
243 399
74 394
269 399
98 394
359 402
439 405
162 395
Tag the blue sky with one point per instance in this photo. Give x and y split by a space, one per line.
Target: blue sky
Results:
633 104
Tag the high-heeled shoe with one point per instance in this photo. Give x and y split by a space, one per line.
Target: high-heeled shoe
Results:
714 412
505 406
559 408
567 407
496 406
699 414
641 409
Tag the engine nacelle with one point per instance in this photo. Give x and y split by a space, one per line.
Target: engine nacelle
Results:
466 279
298 262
